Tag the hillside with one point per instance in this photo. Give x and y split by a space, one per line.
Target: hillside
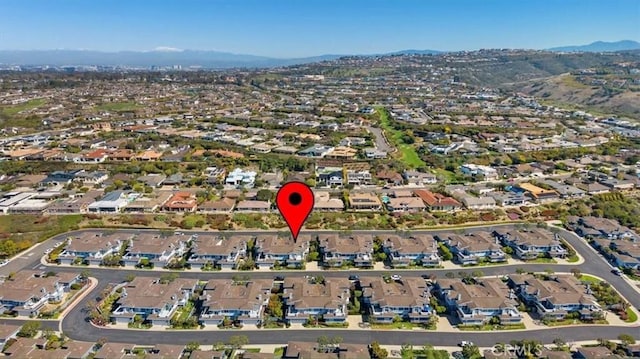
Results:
584 93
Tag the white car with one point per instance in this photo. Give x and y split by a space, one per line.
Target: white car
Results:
396 277
4 263
464 343
48 251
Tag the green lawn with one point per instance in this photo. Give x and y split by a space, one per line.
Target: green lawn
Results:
542 260
408 153
632 317
278 352
572 259
589 278
118 106
11 111
488 327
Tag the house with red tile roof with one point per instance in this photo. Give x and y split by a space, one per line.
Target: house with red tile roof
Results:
436 201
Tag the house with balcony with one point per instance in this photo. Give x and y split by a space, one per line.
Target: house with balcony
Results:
240 178
324 299
272 249
531 243
417 178
405 204
155 249
474 247
152 299
407 298
112 202
477 304
365 201
330 176
92 247
242 302
357 173
213 250
557 296
597 227
417 249
338 250
28 291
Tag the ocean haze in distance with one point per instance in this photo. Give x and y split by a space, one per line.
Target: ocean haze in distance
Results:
164 56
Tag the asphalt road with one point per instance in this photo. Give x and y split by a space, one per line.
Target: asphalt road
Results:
381 140
77 327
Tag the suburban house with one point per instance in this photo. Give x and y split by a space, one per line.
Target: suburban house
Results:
531 243
148 203
565 191
324 299
419 178
508 198
241 178
155 249
217 250
437 201
537 193
303 350
271 249
181 202
593 188
8 331
112 202
241 302
365 201
390 178
223 205
92 247
418 249
557 296
357 173
471 248
30 348
407 298
627 253
152 299
253 206
405 204
129 351
324 202
337 250
330 176
477 304
484 202
27 291
596 227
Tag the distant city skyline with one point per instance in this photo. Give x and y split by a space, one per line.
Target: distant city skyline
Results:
294 28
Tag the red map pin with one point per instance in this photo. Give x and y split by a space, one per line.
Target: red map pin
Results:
295 202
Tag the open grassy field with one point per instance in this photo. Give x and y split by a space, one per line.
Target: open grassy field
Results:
118 106
408 154
19 232
13 116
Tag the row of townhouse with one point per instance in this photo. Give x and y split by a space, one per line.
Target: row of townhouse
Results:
550 298
472 247
335 250
616 242
386 299
27 292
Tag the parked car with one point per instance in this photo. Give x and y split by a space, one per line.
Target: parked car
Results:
616 271
4 262
354 277
464 343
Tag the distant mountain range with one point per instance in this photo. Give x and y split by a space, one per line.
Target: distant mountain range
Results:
601 46
163 57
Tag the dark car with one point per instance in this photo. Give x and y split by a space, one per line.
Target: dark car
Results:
354 277
279 278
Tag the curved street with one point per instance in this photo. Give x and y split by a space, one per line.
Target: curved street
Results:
76 325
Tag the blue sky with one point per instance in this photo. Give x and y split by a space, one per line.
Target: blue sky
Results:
292 28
